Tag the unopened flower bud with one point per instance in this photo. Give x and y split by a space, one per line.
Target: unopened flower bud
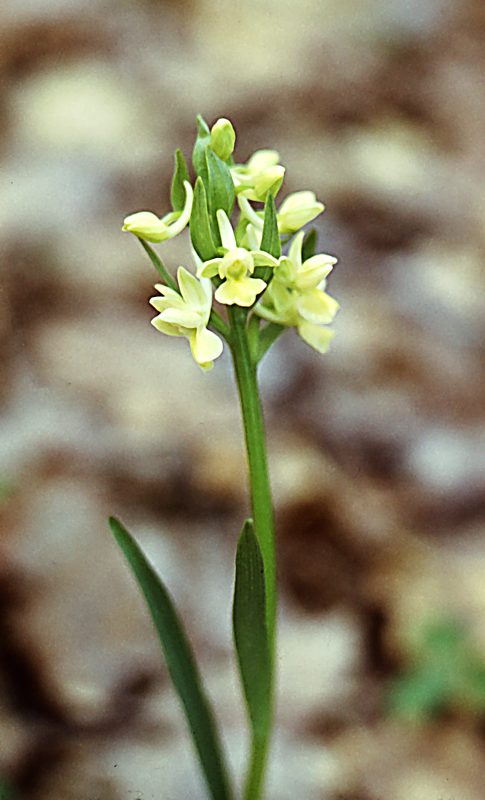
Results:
223 138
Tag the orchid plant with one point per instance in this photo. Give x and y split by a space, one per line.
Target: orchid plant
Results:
243 291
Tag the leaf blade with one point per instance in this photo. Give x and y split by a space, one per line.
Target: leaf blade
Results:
250 630
180 662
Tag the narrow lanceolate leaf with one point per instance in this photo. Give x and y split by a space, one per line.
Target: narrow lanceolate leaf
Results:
221 192
200 227
250 631
270 241
180 662
309 246
159 265
198 153
181 174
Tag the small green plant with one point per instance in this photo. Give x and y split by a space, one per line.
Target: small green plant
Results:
444 673
258 264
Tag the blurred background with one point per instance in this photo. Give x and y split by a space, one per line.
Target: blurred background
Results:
376 449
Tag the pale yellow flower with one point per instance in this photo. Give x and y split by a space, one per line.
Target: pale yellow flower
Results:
148 226
296 296
296 210
235 268
259 175
187 314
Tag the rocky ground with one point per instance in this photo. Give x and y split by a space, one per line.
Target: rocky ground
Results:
376 449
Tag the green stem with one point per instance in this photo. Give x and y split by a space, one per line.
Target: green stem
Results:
254 782
262 512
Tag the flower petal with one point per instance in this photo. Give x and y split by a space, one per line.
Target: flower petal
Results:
294 253
177 227
317 306
297 200
249 212
205 345
185 318
282 296
262 159
166 291
314 270
316 336
225 229
147 226
269 179
209 268
253 237
192 291
298 209
242 292
264 259
269 313
166 327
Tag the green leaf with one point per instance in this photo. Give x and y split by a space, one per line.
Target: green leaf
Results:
221 186
270 241
180 662
309 246
250 630
200 227
181 174
198 153
159 265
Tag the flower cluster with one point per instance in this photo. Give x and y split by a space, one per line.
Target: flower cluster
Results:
244 264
